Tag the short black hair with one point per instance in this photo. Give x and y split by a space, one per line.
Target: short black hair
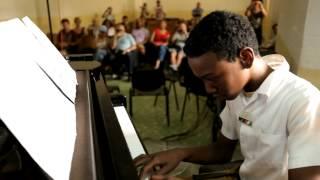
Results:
223 33
65 20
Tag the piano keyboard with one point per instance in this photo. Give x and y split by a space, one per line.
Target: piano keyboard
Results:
129 132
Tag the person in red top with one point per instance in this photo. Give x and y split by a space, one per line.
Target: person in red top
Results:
160 38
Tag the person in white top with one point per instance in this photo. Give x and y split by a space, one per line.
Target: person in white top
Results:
274 114
107 14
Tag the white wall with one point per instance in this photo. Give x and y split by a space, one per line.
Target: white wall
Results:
310 55
15 8
291 26
182 8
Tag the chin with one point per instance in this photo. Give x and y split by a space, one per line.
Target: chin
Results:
230 97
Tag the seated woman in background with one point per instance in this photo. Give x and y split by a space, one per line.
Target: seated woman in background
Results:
178 41
160 38
123 46
101 44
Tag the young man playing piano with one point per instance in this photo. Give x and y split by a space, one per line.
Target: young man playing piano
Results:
274 114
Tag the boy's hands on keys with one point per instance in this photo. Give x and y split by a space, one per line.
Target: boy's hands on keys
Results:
159 164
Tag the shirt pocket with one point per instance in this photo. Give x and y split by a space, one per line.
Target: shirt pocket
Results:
263 148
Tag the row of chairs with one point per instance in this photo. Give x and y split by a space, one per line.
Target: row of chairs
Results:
146 81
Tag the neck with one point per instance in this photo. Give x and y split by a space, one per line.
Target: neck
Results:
258 73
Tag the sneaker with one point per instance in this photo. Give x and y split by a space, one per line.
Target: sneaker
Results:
115 76
174 67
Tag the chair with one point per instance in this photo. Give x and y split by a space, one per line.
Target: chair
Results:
192 84
172 77
146 81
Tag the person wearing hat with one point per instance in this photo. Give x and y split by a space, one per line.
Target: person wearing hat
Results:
123 47
101 44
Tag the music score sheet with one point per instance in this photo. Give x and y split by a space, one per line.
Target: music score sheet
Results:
52 61
34 109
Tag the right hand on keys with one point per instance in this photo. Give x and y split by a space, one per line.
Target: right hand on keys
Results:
159 163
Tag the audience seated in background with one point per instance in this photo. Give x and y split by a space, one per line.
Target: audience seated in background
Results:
191 23
178 41
123 46
140 32
127 24
107 14
147 54
144 14
65 36
101 44
271 112
111 30
159 13
95 27
160 38
255 13
88 42
78 34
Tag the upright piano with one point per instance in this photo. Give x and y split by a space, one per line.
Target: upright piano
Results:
104 147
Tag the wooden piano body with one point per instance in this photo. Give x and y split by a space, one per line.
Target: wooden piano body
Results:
101 150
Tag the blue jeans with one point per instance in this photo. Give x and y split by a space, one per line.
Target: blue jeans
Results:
100 54
162 52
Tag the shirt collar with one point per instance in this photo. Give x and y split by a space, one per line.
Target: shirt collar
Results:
280 66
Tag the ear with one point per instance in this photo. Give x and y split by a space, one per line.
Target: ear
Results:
246 56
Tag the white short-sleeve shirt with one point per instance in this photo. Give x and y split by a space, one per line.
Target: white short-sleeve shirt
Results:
278 126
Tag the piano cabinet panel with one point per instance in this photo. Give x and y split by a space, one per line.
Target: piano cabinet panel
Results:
83 163
101 151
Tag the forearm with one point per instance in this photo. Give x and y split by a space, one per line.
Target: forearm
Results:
209 154
132 48
264 11
218 152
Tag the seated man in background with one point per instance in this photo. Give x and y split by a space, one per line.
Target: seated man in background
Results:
65 36
140 33
123 46
274 114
